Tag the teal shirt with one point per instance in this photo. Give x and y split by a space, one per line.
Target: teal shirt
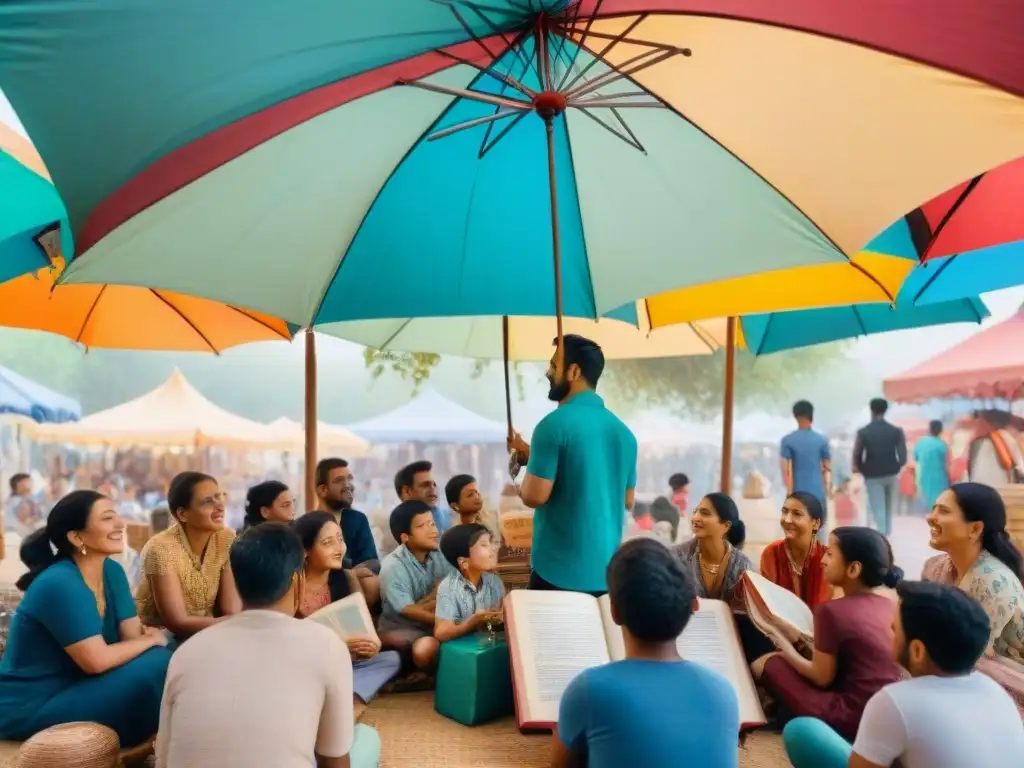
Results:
590 455
931 454
58 610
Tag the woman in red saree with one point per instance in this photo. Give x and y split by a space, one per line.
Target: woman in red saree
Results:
794 562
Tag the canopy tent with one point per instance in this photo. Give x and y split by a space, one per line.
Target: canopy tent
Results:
988 365
173 414
23 397
329 436
431 418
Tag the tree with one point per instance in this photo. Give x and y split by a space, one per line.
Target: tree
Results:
691 384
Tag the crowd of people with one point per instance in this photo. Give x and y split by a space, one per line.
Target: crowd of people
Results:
927 674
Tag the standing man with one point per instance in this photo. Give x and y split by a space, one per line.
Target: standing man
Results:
335 491
580 476
415 482
807 459
879 452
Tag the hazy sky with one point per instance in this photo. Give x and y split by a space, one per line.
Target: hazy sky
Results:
885 355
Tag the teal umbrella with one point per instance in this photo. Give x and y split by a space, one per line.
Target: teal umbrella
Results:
778 331
33 221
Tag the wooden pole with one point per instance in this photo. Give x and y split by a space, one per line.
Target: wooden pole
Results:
727 404
311 439
508 387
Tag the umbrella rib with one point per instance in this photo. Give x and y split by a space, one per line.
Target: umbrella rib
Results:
932 278
182 315
484 149
405 324
258 321
459 127
506 79
699 333
630 141
628 130
513 44
462 93
577 8
598 56
860 320
961 199
88 315
586 31
469 31
616 74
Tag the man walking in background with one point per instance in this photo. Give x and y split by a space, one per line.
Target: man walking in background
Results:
580 477
806 458
879 452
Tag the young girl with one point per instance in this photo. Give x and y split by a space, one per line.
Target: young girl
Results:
326 580
853 638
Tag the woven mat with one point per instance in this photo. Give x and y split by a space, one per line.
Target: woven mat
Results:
413 734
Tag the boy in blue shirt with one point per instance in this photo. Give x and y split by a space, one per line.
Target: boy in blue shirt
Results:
654 709
470 597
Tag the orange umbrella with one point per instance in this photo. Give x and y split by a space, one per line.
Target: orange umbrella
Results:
122 317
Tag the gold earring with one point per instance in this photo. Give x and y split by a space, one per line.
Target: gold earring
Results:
83 551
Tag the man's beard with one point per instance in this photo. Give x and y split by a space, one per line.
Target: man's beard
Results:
557 391
336 505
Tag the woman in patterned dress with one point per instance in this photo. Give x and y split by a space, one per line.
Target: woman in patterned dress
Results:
325 581
187 583
968 525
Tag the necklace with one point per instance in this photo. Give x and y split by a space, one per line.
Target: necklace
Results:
712 569
798 570
101 601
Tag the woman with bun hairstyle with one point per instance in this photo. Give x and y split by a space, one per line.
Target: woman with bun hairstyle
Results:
968 525
270 500
853 638
76 650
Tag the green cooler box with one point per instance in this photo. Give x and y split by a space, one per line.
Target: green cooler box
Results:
474 679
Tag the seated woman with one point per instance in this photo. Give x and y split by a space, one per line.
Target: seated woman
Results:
794 562
187 583
853 638
76 649
270 500
968 524
326 581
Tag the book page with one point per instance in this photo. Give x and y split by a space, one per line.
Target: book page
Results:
612 631
782 605
711 639
348 617
553 636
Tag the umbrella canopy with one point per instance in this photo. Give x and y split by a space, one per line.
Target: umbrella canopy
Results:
21 396
173 414
431 418
766 333
988 365
329 436
32 219
284 129
112 316
623 334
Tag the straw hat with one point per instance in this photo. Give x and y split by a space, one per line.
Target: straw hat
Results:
72 745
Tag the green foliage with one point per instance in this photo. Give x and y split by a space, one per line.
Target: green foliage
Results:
694 384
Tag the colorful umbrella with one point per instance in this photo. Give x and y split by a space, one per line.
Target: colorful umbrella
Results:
990 269
337 161
108 315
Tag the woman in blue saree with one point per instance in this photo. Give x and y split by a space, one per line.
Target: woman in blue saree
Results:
76 650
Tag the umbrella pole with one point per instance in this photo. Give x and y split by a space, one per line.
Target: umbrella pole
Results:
311 419
727 404
508 388
556 241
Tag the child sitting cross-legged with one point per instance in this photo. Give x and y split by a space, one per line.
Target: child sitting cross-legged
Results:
470 597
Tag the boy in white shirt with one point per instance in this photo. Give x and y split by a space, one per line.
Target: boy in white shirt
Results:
946 716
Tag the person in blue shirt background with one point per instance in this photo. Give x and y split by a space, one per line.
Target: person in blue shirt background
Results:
807 458
580 476
653 709
415 482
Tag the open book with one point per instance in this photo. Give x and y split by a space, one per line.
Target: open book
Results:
553 636
773 607
348 617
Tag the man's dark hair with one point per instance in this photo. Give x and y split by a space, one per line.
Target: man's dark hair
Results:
402 516
878 406
935 427
678 481
458 540
802 409
16 478
454 487
406 476
953 626
663 510
324 467
585 353
263 561
651 593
